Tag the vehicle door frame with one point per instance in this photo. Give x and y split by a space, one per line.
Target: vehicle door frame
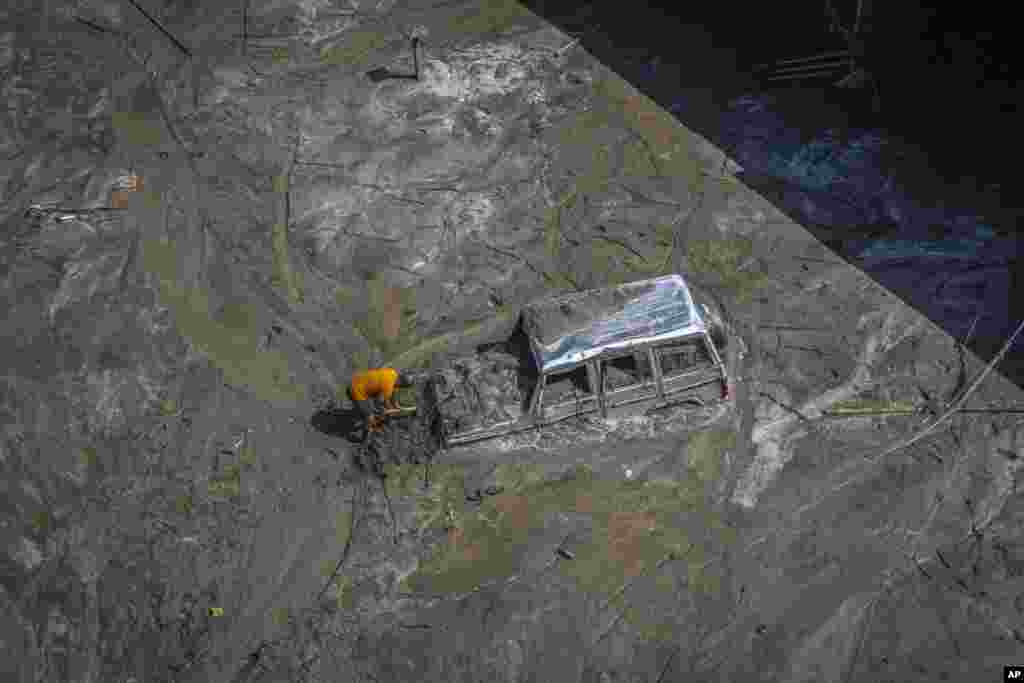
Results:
633 351
701 376
538 407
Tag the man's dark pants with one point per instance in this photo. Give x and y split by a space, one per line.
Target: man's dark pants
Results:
367 408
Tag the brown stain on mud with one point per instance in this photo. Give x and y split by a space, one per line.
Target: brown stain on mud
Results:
626 533
391 312
515 510
120 194
461 548
584 504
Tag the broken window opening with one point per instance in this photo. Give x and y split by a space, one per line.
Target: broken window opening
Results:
628 371
684 357
568 387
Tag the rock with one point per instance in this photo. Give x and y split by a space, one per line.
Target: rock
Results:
32 491
87 565
26 553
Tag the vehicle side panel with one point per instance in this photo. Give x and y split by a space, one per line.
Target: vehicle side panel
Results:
479 395
627 379
686 363
567 393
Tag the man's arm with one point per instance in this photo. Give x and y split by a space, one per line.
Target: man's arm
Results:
391 401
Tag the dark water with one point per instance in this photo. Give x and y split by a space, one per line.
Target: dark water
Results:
945 259
918 194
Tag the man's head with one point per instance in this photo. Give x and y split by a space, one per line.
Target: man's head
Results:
404 380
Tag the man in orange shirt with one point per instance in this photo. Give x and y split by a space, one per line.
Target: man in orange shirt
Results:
376 386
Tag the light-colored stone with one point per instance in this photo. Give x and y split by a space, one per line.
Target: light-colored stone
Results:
26 553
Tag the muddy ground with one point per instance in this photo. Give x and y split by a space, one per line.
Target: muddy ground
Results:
219 241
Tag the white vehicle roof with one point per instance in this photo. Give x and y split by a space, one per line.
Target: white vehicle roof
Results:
573 328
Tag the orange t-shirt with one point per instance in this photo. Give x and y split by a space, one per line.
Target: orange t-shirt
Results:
379 383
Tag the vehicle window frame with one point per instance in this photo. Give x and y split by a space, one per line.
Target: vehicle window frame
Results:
543 401
636 355
661 350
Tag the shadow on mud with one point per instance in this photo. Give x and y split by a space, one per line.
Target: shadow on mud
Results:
340 422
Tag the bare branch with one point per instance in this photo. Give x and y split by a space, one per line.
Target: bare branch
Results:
95 27
370 186
641 198
391 512
159 27
956 406
622 243
348 546
608 629
668 663
519 258
785 406
245 26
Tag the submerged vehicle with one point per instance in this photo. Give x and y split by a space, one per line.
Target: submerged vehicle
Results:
610 352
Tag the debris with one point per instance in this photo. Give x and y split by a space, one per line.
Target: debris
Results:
478 495
391 511
957 402
562 552
568 46
119 193
95 27
177 43
824 64
63 214
381 73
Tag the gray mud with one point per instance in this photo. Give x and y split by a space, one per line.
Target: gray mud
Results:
170 512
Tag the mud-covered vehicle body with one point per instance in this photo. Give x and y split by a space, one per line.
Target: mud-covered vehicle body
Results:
607 352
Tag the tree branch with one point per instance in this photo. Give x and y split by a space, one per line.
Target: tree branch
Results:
956 405
95 27
519 258
668 663
622 244
668 557
245 26
345 551
159 27
785 406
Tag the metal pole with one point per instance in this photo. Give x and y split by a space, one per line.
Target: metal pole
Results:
795 60
811 66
